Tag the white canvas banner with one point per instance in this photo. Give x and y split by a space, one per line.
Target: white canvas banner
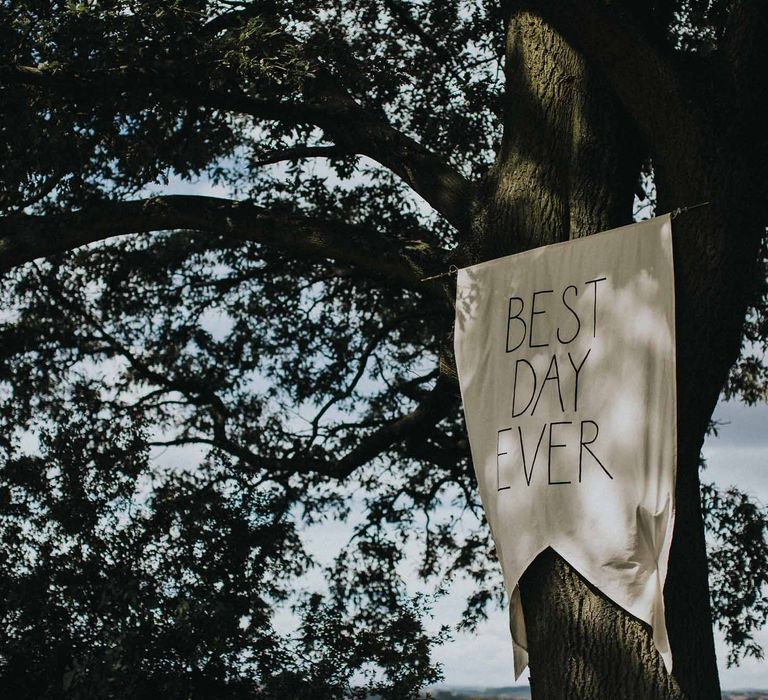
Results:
566 361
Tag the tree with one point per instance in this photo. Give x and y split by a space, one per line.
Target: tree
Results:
448 133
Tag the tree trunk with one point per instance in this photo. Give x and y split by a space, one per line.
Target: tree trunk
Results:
568 167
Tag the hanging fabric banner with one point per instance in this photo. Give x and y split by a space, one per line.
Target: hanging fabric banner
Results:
566 361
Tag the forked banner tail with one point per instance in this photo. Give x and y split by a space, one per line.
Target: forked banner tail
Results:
566 361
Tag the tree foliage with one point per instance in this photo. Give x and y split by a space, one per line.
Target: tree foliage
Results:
177 405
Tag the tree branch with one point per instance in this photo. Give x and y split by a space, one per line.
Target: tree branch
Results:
746 54
327 105
403 15
438 403
300 153
362 363
427 414
24 238
232 19
357 130
745 33
643 78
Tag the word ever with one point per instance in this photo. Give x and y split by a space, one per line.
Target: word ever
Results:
555 432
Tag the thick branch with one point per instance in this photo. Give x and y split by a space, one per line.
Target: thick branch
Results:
329 107
746 54
24 238
120 80
300 153
446 458
744 41
643 78
436 406
427 414
357 130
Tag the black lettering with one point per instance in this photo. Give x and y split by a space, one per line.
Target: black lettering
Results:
556 376
515 317
528 474
549 454
531 344
514 388
499 487
575 315
576 384
594 306
583 446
